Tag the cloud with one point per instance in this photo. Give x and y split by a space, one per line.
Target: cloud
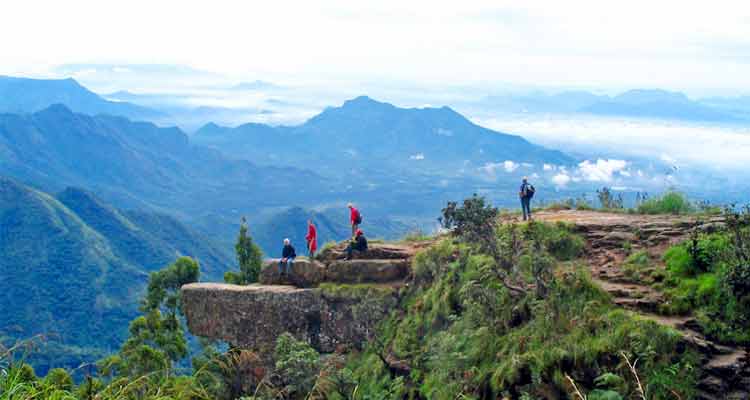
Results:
602 170
510 166
560 180
418 156
548 167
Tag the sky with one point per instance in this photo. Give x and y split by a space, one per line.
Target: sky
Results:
698 47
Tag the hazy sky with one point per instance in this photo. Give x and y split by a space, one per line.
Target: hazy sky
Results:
673 44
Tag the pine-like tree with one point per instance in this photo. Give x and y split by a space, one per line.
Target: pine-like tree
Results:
249 257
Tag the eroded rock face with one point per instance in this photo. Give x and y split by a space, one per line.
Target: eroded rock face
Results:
307 274
254 316
304 274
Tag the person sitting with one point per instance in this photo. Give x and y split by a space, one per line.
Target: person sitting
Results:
287 257
311 238
358 244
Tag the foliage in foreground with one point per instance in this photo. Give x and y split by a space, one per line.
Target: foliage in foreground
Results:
709 275
463 333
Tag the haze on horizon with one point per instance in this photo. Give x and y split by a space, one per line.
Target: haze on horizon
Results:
700 48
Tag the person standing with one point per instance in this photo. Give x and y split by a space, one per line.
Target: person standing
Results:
288 255
526 194
311 238
355 217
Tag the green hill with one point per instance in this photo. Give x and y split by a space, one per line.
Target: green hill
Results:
73 268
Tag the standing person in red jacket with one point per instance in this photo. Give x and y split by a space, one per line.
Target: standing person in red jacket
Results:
312 238
355 217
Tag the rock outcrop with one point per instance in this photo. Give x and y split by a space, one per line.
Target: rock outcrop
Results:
254 316
333 303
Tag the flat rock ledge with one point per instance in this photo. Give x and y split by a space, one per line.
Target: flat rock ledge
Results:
254 316
308 274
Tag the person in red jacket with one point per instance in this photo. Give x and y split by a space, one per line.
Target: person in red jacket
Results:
312 238
355 217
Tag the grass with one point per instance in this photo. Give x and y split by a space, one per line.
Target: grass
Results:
671 202
465 336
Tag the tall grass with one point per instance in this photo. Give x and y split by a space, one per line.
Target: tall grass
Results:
671 202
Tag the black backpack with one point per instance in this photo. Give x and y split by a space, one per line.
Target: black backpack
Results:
358 220
530 191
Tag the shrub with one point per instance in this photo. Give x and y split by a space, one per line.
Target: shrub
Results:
59 379
669 203
297 364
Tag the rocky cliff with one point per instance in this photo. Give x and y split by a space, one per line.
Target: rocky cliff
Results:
333 304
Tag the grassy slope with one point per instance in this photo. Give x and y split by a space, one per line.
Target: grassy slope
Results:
464 336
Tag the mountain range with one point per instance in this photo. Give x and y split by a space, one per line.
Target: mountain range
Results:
74 266
25 95
138 165
636 103
368 137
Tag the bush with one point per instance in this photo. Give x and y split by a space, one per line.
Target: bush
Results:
669 203
297 364
59 379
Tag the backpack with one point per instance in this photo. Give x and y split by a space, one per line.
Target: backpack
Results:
530 191
358 218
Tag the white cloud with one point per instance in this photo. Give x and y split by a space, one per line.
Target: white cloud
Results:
510 166
418 156
602 170
560 180
548 167
493 168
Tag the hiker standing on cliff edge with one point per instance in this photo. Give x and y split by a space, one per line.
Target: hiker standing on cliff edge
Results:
526 194
355 217
312 238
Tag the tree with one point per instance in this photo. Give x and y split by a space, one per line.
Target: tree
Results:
156 339
249 257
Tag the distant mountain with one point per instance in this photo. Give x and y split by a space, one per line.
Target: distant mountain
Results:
656 103
736 105
539 102
255 85
73 268
24 95
139 165
367 135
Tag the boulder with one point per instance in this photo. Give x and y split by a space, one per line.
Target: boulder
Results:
379 251
304 274
370 271
253 316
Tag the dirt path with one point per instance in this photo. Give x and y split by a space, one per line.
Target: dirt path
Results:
610 238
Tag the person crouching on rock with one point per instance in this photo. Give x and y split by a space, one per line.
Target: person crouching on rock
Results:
311 238
358 244
287 257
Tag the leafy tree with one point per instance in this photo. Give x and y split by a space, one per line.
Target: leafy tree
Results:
297 364
249 257
156 339
474 222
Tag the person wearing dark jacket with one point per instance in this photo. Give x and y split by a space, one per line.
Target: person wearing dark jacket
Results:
358 243
526 193
287 257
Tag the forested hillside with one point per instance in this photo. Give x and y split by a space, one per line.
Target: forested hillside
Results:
73 268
